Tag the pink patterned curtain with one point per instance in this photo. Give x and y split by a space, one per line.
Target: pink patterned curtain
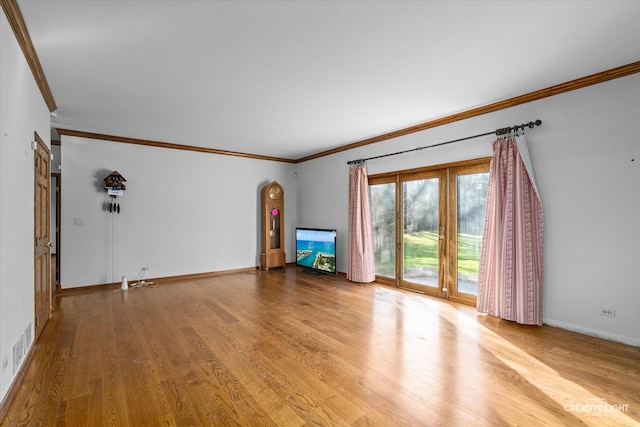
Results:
361 266
510 275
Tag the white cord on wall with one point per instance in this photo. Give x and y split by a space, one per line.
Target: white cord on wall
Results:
112 250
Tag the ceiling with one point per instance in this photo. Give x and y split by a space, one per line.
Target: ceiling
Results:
290 79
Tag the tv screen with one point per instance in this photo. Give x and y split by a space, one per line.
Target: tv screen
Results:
316 250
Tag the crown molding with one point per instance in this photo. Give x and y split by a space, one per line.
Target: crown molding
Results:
126 140
580 83
12 12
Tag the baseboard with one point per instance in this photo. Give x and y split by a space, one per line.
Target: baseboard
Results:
62 291
92 288
623 339
15 385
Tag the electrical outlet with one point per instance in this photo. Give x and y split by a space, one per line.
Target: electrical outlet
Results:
608 312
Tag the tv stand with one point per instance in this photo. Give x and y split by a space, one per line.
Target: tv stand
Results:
312 271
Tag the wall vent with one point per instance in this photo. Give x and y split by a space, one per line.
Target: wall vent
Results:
27 338
18 352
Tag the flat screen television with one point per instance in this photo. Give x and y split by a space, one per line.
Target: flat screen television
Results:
316 250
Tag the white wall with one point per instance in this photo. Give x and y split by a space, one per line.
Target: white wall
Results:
586 158
182 212
22 111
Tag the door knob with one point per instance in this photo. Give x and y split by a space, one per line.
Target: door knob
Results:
50 244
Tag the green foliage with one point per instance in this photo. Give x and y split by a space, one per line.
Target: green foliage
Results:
421 251
469 247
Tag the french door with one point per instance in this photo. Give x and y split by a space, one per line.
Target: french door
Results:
428 228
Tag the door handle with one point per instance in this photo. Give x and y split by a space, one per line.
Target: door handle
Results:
49 244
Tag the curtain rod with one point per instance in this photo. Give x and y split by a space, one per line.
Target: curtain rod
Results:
501 131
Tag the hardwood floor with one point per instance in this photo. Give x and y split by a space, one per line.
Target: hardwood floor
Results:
288 348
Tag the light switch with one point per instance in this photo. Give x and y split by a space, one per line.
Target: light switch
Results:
78 221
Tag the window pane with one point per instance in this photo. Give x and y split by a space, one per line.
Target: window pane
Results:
472 197
382 198
420 231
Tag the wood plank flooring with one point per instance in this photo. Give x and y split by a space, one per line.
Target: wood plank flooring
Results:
291 349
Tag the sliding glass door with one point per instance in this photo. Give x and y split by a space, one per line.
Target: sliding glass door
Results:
383 216
467 198
428 228
422 222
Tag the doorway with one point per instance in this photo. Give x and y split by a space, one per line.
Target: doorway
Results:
56 203
55 230
428 227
